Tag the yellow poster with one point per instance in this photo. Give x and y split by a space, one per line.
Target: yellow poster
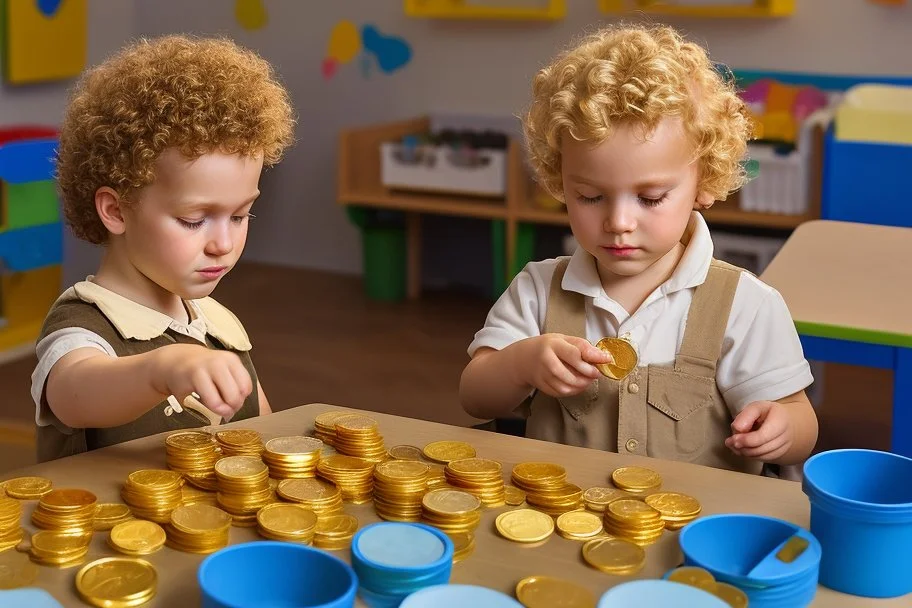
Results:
44 39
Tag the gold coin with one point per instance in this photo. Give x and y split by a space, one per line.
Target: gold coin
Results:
138 536
579 524
446 451
355 422
540 472
549 592
475 466
731 595
598 498
69 497
636 479
307 489
614 555
154 478
344 463
405 452
451 502
340 525
240 466
524 525
16 570
287 519
238 437
116 581
294 445
401 470
189 440
673 505
199 518
694 577
514 496
27 488
624 354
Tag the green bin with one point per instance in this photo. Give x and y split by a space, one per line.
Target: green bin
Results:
384 253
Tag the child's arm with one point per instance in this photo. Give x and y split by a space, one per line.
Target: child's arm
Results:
90 389
495 382
265 408
780 432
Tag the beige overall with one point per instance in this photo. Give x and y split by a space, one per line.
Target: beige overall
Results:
674 413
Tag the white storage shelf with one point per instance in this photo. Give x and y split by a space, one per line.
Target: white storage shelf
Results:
442 169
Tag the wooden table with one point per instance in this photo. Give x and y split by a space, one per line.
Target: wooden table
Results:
849 289
496 562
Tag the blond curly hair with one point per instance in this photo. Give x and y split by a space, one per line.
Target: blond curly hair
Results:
637 74
197 95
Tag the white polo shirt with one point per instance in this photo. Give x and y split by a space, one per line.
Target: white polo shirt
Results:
761 358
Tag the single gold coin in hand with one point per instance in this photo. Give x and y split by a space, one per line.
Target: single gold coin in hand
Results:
579 525
614 555
624 354
549 591
524 525
447 451
695 577
116 581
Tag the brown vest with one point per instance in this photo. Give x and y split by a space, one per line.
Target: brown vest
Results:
674 413
54 443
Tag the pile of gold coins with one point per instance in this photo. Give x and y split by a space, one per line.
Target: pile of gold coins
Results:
614 556
547 488
10 530
108 515
579 525
239 442
117 581
321 497
676 510
634 520
357 435
335 532
137 537
67 510
193 496
287 522
325 426
636 480
193 454
399 486
243 488
292 457
479 476
451 511
153 493
198 528
353 476
58 548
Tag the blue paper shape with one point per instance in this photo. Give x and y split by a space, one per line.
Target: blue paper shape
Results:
392 52
48 7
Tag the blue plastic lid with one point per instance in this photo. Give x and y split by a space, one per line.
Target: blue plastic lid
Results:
658 594
402 549
461 596
28 598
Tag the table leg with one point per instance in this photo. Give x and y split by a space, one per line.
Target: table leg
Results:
413 253
901 441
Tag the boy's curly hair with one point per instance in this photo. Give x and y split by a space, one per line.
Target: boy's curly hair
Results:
198 95
638 74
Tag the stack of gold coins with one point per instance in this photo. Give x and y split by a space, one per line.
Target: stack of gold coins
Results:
193 496
354 476
239 442
287 522
243 483
198 529
636 480
446 451
193 453
359 436
153 493
451 511
321 497
68 510
27 488
325 426
677 510
614 556
479 476
61 549
399 486
292 457
108 515
116 581
634 520
524 526
137 537
538 476
404 452
10 530
334 532
579 525
463 545
562 499
436 477
597 498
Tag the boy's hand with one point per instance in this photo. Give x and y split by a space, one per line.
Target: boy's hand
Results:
761 431
561 365
217 376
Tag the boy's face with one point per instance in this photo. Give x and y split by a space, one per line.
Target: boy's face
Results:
189 227
629 198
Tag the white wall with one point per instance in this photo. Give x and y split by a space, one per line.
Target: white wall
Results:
476 67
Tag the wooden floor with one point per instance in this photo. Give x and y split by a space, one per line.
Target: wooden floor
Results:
318 338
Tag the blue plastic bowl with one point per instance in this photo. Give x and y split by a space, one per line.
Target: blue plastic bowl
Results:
861 511
658 594
276 574
395 559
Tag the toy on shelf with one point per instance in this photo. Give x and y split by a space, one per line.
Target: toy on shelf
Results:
875 113
464 162
540 10
703 8
31 235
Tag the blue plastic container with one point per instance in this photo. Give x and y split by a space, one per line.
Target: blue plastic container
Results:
861 510
270 573
731 547
394 559
658 594
459 596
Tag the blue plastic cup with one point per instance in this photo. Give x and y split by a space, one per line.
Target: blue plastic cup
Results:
270 573
861 511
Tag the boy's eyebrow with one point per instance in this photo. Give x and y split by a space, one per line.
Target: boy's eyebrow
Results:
654 181
200 205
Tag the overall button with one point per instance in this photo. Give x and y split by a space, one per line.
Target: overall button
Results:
633 387
632 445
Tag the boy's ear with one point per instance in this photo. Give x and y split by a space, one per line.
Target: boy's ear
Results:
704 201
108 205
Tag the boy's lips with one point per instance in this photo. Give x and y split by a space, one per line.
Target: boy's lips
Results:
620 250
212 272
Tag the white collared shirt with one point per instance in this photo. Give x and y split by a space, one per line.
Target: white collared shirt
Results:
761 358
132 321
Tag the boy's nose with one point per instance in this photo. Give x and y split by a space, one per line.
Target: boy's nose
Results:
619 218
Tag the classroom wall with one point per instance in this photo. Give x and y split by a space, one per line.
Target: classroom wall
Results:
474 67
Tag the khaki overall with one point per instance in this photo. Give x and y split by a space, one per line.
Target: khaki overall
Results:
674 413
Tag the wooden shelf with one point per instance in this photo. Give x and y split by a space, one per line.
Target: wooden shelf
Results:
760 8
426 203
721 213
460 9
